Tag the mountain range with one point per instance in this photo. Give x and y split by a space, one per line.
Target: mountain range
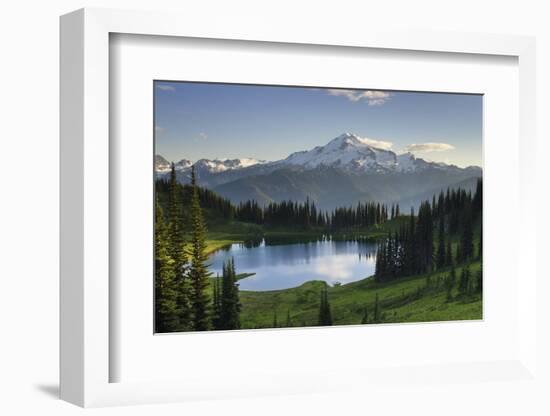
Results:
346 170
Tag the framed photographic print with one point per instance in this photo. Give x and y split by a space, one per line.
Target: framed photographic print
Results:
352 230
316 207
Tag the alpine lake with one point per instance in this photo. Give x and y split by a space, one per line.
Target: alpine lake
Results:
274 265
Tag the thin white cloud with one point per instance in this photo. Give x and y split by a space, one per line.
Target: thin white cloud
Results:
159 129
203 136
429 147
164 87
372 97
379 144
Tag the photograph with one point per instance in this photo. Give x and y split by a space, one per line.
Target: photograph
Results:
302 206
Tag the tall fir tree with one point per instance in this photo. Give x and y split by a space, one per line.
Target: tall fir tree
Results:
449 254
450 283
441 256
480 245
325 314
230 304
198 270
216 302
477 201
467 235
177 252
479 281
425 237
166 308
464 282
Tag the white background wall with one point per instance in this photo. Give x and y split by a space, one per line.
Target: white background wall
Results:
29 182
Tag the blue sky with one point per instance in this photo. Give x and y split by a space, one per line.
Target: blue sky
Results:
201 120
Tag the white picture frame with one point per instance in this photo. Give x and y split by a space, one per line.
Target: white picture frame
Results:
85 351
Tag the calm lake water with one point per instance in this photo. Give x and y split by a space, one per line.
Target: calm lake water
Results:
283 266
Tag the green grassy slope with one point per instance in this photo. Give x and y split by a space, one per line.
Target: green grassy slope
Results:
404 300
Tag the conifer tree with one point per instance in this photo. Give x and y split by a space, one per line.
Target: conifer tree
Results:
464 282
425 237
166 308
177 252
325 315
480 245
449 288
479 281
230 304
450 284
466 240
441 255
449 254
217 303
198 271
477 202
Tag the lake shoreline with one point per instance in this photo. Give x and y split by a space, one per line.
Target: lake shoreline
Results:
281 265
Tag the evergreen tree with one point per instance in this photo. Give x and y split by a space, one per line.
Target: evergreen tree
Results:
477 202
230 304
480 246
325 315
441 255
166 308
479 281
198 270
177 252
425 237
217 302
467 236
450 283
449 254
464 283
411 252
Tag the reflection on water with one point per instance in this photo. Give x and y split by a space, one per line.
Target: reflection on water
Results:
280 265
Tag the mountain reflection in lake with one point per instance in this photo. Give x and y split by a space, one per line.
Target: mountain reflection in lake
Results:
280 266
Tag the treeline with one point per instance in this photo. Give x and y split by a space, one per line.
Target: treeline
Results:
182 279
413 250
183 194
304 215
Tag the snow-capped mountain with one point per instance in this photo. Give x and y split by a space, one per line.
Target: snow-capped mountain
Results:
161 164
355 154
347 153
222 165
212 166
345 170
